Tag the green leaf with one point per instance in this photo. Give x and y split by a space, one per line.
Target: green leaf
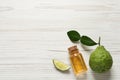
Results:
87 41
73 35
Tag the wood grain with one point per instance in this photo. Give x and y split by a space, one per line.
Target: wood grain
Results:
33 32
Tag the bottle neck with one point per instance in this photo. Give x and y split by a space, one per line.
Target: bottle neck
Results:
73 50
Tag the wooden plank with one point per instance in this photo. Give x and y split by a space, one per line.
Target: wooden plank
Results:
33 32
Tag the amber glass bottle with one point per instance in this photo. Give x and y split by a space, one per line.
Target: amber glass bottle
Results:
77 60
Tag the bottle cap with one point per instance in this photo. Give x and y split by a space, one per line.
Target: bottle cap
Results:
73 48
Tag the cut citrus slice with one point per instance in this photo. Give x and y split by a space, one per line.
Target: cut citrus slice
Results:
60 65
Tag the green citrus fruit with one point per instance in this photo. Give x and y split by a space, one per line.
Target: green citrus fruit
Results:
60 65
100 60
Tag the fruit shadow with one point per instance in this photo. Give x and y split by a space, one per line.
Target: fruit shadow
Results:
63 72
102 76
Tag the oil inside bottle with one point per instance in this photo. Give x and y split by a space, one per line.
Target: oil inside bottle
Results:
77 60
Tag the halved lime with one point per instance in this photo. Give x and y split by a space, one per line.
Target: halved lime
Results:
60 65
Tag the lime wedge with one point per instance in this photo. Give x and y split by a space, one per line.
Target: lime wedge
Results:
60 65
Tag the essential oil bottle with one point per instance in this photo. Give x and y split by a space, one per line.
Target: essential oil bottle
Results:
77 60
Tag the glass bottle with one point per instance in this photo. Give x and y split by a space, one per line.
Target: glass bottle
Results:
77 60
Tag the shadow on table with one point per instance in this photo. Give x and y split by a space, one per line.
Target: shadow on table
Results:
102 76
65 72
88 48
82 77
96 76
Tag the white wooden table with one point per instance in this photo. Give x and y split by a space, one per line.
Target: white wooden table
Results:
33 32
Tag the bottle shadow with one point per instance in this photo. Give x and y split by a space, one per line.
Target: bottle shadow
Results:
82 77
102 76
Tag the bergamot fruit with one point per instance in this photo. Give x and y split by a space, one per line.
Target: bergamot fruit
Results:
100 60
